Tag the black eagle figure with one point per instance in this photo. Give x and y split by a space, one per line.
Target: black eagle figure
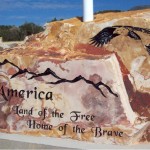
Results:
108 33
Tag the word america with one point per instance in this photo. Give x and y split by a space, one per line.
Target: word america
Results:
25 94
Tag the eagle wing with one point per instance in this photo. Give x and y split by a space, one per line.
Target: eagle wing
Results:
148 48
133 35
144 30
104 36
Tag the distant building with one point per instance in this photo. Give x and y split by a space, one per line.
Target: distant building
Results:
88 10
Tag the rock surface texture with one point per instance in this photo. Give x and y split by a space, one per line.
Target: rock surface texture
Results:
92 80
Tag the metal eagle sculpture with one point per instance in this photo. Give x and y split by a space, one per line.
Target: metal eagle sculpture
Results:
108 33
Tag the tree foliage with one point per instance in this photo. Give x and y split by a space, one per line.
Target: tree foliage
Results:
140 7
13 33
106 11
55 19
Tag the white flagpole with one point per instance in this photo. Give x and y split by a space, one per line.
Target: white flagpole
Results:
88 10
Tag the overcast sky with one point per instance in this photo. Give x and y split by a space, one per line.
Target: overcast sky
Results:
17 12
